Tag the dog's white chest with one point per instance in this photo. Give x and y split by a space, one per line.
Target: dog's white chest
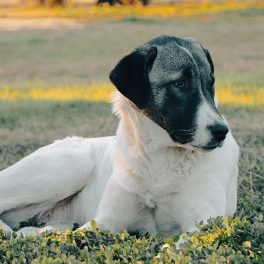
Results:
167 173
170 171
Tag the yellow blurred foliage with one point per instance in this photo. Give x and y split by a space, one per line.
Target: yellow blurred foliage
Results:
103 92
230 97
184 8
95 92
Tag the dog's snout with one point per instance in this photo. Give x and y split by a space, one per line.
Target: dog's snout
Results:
218 131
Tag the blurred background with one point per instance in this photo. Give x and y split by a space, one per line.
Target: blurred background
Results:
67 45
56 55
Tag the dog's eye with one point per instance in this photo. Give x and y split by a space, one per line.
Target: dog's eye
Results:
180 83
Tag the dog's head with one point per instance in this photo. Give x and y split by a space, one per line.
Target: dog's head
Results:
171 80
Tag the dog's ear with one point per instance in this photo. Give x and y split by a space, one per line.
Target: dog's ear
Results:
130 76
208 56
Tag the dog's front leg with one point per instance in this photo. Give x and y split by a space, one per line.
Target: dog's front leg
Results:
31 230
120 209
199 205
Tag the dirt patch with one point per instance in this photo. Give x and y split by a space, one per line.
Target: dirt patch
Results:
13 24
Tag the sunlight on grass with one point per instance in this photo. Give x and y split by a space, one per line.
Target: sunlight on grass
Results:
230 97
185 8
94 92
102 92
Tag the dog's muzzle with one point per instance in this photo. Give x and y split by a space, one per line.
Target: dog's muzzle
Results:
218 134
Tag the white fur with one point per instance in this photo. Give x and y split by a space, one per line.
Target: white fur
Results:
138 180
206 116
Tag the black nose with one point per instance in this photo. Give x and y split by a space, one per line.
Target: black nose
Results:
219 131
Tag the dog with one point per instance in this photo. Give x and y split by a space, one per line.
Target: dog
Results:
172 163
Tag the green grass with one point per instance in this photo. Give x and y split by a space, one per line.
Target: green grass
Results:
236 241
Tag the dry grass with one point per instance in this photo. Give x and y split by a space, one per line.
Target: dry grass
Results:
184 8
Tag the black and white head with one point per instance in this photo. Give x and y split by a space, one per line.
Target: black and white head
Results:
171 81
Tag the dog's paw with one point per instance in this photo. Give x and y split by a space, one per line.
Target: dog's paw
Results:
102 225
7 229
89 225
47 229
183 239
28 231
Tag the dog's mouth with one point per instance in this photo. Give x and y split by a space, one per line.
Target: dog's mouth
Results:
181 138
210 146
184 140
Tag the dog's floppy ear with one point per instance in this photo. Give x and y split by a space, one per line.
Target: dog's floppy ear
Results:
130 76
208 56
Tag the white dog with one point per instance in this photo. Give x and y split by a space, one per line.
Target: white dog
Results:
172 163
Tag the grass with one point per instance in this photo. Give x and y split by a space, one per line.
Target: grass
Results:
228 241
74 64
80 56
184 8
94 92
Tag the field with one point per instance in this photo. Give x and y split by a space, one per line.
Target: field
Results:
39 66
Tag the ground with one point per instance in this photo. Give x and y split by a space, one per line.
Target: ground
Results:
81 53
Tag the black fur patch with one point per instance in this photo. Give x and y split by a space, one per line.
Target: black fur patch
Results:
130 76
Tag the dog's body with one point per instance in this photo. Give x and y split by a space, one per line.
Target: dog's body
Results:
168 167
